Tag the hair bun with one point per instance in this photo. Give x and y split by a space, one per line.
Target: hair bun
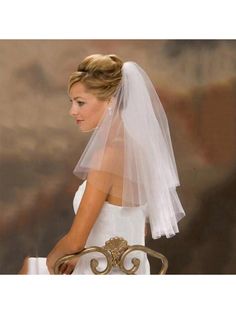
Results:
100 63
100 74
117 60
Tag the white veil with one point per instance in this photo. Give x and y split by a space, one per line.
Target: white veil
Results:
135 131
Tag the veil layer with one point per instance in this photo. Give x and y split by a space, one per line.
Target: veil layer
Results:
134 133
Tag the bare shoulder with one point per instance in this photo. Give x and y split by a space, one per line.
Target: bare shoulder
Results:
105 180
98 186
107 155
100 175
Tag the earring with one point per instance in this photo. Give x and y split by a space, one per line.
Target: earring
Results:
109 111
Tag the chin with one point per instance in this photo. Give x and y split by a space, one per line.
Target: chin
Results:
90 129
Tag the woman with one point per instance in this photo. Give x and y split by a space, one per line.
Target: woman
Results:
128 165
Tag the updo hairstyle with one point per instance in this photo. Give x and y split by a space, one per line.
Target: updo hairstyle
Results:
100 74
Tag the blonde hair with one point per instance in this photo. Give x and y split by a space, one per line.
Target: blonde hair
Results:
100 74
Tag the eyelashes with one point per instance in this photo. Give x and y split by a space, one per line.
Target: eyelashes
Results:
80 103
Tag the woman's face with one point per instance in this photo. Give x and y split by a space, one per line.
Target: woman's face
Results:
86 108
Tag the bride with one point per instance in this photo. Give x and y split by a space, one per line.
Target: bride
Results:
128 167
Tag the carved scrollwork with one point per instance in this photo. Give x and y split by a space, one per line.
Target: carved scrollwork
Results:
115 251
116 247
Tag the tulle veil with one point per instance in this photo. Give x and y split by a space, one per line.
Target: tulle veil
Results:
135 132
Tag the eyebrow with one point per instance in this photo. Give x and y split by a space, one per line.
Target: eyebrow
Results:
77 98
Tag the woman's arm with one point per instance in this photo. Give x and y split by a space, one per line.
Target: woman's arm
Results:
89 209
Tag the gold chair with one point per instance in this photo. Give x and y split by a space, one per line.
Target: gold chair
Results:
115 250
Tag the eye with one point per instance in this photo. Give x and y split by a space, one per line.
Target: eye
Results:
80 103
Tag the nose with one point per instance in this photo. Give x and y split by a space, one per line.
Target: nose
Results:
74 110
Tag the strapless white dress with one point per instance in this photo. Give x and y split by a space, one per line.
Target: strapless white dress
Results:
113 221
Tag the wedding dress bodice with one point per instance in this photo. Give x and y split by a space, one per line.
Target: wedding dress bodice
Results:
115 221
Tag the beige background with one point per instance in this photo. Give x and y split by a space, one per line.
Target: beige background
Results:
40 145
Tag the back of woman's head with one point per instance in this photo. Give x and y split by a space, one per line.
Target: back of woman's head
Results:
100 74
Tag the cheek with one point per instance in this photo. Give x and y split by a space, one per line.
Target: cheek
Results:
94 113
85 112
88 114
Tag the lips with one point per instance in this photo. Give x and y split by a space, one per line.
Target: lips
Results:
79 121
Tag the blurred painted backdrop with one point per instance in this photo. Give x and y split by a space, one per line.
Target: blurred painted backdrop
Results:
40 145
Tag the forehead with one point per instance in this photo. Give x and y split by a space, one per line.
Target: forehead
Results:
79 90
